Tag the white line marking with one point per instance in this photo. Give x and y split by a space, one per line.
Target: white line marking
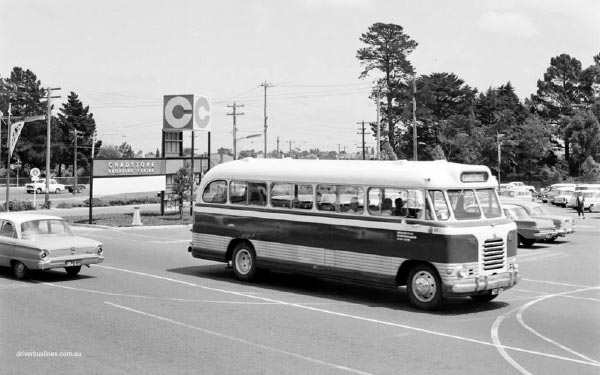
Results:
501 348
556 283
563 296
240 340
441 334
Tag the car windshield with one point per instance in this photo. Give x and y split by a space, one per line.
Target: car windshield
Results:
540 211
33 229
518 213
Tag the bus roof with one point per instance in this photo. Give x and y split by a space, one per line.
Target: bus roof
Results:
415 174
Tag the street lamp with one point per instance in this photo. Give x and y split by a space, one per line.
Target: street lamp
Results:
498 137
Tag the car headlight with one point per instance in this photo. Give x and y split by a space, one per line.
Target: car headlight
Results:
43 254
99 250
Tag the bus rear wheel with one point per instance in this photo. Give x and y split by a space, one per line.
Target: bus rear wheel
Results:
244 262
424 287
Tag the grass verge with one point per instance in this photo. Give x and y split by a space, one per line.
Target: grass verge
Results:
126 219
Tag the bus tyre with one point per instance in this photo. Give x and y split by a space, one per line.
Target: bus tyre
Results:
244 262
424 287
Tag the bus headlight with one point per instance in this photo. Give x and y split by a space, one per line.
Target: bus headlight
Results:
461 271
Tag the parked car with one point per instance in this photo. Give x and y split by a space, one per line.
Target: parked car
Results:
520 185
529 229
42 242
40 186
518 193
563 224
551 191
591 202
561 197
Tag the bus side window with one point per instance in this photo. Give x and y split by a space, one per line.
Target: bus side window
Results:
258 193
238 192
326 197
215 192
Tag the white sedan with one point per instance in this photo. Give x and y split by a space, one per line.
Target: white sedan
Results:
41 242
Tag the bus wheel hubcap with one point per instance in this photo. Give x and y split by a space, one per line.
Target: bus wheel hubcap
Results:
243 261
424 286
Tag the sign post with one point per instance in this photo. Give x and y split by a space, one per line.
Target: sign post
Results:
35 176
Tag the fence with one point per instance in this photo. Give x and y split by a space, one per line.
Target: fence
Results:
22 181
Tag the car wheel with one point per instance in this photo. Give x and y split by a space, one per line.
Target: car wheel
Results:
73 271
244 262
57 191
424 287
592 208
486 297
19 270
526 241
38 190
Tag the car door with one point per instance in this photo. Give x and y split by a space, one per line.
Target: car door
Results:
7 242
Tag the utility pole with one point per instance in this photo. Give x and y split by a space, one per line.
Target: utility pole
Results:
362 123
76 134
266 84
290 142
414 102
378 123
278 154
49 117
235 114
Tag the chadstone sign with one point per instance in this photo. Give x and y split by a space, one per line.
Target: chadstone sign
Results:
130 167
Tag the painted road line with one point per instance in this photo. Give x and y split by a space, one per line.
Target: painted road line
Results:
356 317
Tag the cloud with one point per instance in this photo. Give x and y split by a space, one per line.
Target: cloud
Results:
327 4
509 23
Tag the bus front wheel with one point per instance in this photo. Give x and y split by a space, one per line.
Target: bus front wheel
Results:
424 287
244 262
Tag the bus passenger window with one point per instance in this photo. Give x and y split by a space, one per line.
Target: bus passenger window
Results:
258 193
303 197
326 197
238 192
215 192
281 195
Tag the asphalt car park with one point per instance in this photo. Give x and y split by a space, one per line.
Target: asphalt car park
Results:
150 307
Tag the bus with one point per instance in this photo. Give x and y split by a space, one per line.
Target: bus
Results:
434 227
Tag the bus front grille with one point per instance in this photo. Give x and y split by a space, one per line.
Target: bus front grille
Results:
493 254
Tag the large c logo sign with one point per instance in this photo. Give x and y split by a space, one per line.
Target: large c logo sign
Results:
178 112
202 113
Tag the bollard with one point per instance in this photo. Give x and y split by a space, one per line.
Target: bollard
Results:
136 217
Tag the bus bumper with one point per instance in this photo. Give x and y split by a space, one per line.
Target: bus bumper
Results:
496 282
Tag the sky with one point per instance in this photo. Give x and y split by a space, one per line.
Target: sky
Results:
122 56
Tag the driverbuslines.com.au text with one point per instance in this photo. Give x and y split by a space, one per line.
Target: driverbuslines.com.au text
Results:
45 353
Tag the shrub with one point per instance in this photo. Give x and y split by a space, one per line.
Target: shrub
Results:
18 206
96 202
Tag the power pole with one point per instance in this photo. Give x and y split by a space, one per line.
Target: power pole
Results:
278 154
362 123
235 114
266 84
49 117
290 142
76 134
414 102
378 123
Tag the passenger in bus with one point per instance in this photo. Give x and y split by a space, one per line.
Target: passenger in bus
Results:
386 207
354 208
399 210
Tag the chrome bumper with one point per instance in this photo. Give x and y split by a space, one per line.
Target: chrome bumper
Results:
62 262
504 280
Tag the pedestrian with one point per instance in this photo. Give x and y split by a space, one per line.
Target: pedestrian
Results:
580 205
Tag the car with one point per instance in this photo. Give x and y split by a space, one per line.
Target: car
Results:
563 224
561 196
529 229
591 200
551 191
42 242
518 193
521 185
39 186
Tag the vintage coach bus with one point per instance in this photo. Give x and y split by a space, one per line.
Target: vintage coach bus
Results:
432 226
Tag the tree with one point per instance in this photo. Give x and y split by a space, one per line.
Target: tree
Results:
181 186
74 117
109 152
126 150
387 53
26 96
583 133
590 170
